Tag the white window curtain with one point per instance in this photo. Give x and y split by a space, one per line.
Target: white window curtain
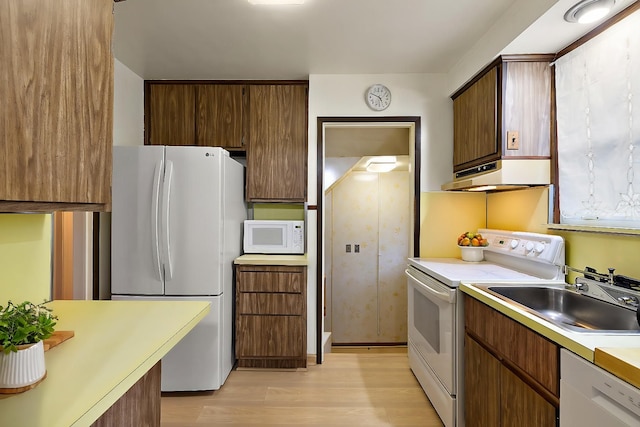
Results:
598 114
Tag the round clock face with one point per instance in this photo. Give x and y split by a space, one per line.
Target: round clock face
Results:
378 97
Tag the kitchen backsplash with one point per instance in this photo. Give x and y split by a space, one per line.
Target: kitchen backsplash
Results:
278 211
445 215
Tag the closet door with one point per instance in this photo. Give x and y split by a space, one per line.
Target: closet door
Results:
368 288
393 241
355 274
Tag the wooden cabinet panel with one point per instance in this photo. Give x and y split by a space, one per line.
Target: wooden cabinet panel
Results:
271 279
270 336
271 316
521 405
527 107
533 353
264 303
268 121
475 115
277 155
527 371
172 112
56 114
512 94
481 385
220 115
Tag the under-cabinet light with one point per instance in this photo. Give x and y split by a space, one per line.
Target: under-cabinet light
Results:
483 188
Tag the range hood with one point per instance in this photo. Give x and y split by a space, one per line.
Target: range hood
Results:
500 175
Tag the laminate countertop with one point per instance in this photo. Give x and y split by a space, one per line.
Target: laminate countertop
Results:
115 344
617 354
263 259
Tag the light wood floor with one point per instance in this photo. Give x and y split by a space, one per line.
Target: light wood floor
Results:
350 388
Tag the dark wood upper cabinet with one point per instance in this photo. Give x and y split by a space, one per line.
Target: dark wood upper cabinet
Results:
171 115
220 113
513 94
277 155
56 114
267 120
184 113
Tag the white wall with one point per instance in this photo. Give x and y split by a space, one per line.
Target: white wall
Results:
423 95
336 167
128 106
521 15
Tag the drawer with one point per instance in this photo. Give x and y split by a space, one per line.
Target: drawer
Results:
275 304
270 336
271 279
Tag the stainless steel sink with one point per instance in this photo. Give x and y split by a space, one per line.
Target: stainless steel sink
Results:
570 310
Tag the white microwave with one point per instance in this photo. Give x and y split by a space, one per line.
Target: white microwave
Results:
273 237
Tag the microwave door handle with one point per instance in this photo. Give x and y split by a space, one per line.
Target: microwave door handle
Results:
442 295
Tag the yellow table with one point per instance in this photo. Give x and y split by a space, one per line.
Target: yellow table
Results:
115 344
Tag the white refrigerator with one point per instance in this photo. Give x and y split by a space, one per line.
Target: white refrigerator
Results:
177 215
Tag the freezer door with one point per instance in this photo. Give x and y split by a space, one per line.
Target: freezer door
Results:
191 221
135 246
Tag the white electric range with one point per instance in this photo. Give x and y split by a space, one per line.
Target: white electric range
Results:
436 309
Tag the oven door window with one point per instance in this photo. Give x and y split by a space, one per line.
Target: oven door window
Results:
432 328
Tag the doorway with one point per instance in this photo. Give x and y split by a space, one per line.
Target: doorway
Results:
331 129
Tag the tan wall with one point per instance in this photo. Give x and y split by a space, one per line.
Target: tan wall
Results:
527 210
444 216
25 257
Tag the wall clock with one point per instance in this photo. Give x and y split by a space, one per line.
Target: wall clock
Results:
378 97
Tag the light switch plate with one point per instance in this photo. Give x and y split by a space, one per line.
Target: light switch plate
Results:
513 140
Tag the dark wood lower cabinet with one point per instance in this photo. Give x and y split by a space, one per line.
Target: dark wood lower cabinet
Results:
481 385
521 405
271 316
511 372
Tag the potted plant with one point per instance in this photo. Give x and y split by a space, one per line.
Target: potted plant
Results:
23 327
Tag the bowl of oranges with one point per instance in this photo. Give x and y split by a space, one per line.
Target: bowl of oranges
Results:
472 246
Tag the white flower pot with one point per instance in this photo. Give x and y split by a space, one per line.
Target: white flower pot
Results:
22 368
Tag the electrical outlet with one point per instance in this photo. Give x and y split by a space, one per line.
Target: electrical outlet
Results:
356 248
513 140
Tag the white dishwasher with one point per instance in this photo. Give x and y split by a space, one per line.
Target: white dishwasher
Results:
591 396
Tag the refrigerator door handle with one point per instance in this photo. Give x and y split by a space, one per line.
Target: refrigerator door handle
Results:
165 223
155 211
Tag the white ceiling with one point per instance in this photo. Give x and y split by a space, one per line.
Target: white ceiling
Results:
230 39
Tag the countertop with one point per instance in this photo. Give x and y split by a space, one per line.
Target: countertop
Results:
263 259
624 363
115 344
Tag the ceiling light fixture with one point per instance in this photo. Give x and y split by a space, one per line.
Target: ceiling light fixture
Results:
381 164
587 11
276 1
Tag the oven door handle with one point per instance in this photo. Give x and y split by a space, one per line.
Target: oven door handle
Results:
447 295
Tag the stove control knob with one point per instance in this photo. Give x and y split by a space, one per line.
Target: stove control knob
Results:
529 246
514 243
539 247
